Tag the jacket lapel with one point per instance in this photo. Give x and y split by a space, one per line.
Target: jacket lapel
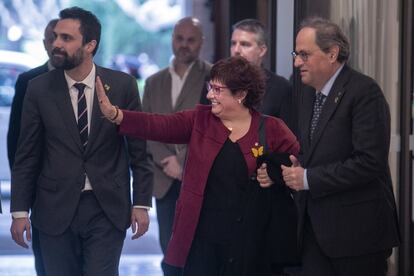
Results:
190 86
332 102
97 117
62 99
307 99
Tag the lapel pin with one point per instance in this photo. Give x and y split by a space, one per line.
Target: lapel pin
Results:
338 97
257 150
107 87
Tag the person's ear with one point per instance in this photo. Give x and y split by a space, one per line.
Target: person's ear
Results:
91 45
333 53
241 96
263 50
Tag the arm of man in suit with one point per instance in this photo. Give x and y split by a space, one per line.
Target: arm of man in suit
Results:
141 172
370 139
170 163
15 118
369 120
26 168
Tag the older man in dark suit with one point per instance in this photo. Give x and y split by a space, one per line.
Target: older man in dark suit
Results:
78 161
15 118
348 222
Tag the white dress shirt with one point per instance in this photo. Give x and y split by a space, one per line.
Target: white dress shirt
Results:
177 82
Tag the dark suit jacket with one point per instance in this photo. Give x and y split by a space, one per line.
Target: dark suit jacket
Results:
16 109
50 152
157 99
277 100
350 202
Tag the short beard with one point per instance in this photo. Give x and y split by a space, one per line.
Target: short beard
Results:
67 62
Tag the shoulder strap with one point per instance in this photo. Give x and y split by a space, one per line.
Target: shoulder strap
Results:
262 133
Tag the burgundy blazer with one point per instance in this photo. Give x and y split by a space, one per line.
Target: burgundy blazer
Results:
205 135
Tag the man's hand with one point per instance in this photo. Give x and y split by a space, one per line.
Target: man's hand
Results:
17 229
293 176
262 177
171 167
139 222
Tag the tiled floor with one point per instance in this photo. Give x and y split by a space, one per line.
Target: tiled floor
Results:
140 257
131 265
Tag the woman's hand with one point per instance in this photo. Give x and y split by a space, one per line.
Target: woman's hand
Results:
111 112
263 178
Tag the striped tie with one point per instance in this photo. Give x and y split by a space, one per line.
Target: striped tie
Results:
82 114
317 110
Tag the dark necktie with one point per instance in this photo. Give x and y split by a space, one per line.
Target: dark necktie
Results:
317 110
82 114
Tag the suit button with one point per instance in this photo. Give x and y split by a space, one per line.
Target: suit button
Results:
239 219
231 260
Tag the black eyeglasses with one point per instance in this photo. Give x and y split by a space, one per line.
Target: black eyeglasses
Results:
304 56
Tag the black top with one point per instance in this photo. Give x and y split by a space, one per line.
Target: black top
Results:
225 195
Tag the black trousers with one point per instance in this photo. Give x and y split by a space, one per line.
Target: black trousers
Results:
315 262
165 214
39 267
165 218
90 246
212 259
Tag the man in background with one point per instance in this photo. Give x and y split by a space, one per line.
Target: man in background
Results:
249 40
347 213
20 91
173 89
15 118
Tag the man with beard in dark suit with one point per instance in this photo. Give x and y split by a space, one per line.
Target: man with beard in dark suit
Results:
15 118
73 163
347 213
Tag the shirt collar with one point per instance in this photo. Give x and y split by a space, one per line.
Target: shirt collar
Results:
328 85
89 81
172 70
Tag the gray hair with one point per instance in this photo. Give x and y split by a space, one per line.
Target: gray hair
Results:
252 26
328 34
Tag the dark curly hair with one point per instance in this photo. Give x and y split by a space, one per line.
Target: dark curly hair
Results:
238 75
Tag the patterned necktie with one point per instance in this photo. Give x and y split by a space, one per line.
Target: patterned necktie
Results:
82 114
317 110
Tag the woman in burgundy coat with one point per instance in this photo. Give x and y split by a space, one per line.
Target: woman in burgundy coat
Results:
222 213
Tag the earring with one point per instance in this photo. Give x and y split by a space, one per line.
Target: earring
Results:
239 101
